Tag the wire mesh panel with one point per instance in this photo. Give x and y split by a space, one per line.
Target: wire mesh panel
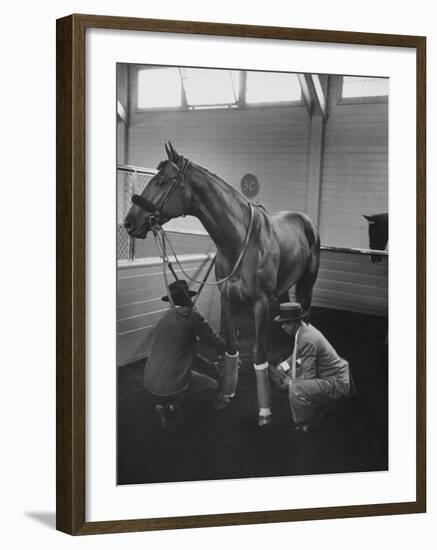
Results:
129 182
187 234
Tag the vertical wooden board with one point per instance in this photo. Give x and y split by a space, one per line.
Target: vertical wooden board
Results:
133 346
355 169
351 282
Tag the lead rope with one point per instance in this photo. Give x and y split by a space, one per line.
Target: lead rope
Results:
237 263
166 262
208 271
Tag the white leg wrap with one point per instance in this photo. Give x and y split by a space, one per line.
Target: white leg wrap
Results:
230 375
263 389
261 366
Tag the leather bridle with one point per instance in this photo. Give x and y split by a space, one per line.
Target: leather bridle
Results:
154 218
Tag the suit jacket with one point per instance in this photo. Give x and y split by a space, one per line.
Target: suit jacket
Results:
316 358
167 370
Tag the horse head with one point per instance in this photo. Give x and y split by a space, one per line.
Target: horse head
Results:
166 196
378 234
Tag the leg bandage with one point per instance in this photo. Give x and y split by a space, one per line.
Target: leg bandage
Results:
230 375
263 389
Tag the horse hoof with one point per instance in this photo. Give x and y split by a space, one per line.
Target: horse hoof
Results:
221 402
265 420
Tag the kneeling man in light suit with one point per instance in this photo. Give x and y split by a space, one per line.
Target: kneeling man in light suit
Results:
314 375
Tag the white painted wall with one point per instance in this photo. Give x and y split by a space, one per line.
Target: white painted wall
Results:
271 143
354 169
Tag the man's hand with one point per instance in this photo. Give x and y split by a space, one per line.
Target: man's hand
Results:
279 378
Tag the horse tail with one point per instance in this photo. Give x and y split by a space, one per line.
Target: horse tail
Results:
304 286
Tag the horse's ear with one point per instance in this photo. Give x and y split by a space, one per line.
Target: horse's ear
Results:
368 218
174 154
168 151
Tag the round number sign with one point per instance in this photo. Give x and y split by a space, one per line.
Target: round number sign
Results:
249 186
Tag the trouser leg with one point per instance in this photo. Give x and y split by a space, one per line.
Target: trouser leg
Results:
202 388
183 406
308 398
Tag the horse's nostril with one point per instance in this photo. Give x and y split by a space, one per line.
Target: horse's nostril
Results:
127 225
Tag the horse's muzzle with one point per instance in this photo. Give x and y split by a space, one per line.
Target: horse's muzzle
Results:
135 230
128 225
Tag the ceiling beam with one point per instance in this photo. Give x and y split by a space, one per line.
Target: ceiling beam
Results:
313 94
121 112
320 94
306 92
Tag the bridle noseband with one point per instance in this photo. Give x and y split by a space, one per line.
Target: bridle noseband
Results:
154 219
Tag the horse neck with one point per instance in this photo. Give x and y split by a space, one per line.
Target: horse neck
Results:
221 209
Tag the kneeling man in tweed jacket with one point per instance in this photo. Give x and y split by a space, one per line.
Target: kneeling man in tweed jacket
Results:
168 373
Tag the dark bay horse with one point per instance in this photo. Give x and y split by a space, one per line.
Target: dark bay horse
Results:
272 253
378 234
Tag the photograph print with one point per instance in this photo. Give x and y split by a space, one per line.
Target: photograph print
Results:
252 274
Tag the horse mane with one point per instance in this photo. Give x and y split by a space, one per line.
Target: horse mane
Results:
218 179
180 160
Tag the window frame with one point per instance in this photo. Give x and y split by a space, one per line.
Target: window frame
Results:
282 103
184 107
359 99
133 94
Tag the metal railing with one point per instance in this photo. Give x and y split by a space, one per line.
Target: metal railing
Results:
363 251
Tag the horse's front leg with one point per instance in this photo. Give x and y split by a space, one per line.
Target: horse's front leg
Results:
261 312
228 326
230 375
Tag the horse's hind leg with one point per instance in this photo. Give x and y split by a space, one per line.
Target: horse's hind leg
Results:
305 285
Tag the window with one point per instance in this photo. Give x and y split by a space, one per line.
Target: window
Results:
362 86
210 87
198 88
159 88
272 87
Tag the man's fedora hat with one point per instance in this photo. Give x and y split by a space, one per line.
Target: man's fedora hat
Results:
179 289
289 311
